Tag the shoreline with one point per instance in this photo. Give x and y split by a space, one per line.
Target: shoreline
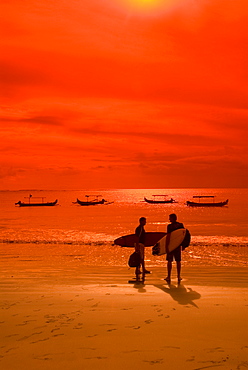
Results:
207 276
76 255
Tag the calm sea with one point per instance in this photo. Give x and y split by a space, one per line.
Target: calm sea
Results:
219 235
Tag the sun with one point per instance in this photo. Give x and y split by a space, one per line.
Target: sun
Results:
145 3
148 6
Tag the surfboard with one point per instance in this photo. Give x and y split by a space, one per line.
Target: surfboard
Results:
176 239
128 240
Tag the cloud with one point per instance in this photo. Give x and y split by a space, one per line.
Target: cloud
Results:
40 120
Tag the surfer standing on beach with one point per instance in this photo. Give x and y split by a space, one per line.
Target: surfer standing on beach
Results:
140 245
176 253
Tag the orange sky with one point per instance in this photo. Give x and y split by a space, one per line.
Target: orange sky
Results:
121 93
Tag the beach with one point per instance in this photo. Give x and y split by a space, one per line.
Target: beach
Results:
69 301
62 314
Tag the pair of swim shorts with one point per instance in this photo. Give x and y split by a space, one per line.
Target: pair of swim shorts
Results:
174 255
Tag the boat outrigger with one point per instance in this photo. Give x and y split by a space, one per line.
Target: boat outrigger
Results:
36 204
91 202
159 199
206 204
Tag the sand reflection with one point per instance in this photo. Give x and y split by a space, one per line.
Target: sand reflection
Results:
139 283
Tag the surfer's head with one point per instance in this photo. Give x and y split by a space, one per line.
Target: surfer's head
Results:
172 217
142 220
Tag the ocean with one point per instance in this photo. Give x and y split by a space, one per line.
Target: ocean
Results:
86 234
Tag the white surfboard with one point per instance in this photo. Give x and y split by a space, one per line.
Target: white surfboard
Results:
176 239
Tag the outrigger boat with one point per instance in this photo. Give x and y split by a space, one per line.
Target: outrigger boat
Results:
36 204
206 204
157 200
91 202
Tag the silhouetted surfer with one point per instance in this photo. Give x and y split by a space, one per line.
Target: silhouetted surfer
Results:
176 253
140 245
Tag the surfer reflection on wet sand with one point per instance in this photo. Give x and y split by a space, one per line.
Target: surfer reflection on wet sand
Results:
182 295
139 283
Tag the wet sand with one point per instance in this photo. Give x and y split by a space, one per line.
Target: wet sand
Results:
57 315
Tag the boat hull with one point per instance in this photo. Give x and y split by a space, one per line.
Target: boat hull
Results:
46 204
199 204
159 201
93 203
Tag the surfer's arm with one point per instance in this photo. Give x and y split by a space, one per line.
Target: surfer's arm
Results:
136 243
137 247
137 239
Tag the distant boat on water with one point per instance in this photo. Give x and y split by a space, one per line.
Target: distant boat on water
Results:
159 199
92 202
206 204
36 204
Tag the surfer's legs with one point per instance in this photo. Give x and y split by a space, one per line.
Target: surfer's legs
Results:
140 249
178 253
169 268
178 270
142 258
169 258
